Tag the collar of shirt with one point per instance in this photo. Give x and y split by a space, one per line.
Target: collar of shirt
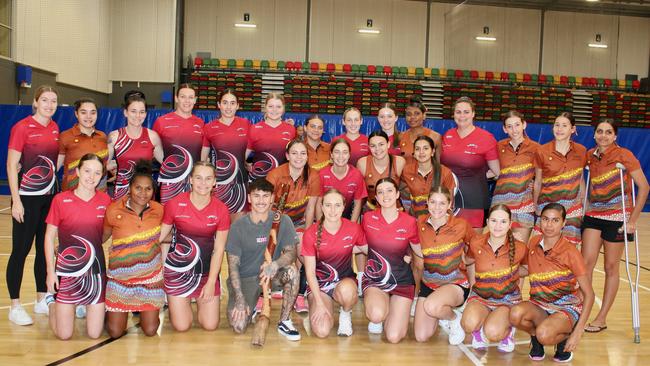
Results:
518 147
127 204
77 131
438 229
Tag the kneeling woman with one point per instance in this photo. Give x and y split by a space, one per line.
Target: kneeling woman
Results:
135 280
445 286
387 282
193 263
78 276
496 256
555 314
327 249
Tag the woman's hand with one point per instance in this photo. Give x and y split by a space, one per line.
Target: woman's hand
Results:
18 211
52 282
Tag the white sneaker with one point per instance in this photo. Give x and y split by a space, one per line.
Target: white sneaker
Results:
40 307
478 340
375 328
507 344
19 316
80 311
287 329
413 306
456 332
359 287
345 323
444 324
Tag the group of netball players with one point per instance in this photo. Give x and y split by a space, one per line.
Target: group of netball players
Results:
411 211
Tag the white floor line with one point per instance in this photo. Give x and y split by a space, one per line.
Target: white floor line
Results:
8 306
5 209
599 302
5 236
472 357
624 280
8 254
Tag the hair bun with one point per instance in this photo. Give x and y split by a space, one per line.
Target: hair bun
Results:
143 167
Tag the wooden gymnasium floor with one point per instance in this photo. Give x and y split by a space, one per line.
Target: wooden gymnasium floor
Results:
36 345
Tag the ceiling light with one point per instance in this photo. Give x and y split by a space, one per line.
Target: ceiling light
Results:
245 25
483 38
369 31
597 45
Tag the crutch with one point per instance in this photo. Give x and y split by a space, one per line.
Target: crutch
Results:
584 201
634 286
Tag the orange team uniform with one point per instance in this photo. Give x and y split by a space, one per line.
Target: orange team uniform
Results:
298 194
74 144
514 187
442 253
319 157
407 139
553 276
372 176
605 183
419 186
561 177
497 279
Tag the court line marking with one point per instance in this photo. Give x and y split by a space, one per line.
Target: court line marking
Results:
5 209
623 279
8 306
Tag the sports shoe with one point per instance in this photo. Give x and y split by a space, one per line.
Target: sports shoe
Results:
359 287
276 295
286 328
536 349
478 340
80 312
444 324
413 306
560 354
19 316
456 331
345 323
258 308
375 328
507 344
40 307
301 305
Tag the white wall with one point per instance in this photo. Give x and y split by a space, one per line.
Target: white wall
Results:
143 40
70 38
633 47
280 33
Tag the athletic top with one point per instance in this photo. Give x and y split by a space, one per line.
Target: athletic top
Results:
442 251
407 139
74 144
393 150
319 157
605 183
467 157
514 187
372 176
352 186
269 146
358 147
553 273
127 153
388 243
334 254
39 148
191 251
80 227
229 146
496 277
296 201
182 140
419 186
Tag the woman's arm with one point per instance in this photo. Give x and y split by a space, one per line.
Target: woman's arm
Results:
310 211
537 185
165 230
13 160
52 280
587 303
356 210
205 152
320 310
158 152
494 169
207 293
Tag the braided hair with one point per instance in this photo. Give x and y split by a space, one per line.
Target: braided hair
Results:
510 240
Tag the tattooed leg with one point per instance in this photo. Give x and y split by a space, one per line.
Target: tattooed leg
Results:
288 277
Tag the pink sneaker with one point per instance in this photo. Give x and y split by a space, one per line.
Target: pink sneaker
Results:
301 305
276 295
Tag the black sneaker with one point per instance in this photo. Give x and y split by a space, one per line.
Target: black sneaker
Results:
287 329
536 350
560 354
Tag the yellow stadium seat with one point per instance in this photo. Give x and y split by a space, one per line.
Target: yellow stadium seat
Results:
273 65
223 62
256 64
322 66
411 71
427 71
338 67
240 63
443 73
520 76
481 75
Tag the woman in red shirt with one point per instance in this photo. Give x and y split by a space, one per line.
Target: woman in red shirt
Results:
352 121
387 118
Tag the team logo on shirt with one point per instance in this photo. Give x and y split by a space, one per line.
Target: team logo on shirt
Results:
261 240
66 200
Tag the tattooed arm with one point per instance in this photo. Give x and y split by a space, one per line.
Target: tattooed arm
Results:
287 257
239 314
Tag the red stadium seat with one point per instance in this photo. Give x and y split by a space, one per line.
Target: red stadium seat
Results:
331 67
527 78
608 83
198 62
473 74
504 76
313 67
388 70
347 68
372 69
636 84
542 78
564 80
458 74
489 75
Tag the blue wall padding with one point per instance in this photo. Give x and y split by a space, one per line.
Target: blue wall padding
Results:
110 119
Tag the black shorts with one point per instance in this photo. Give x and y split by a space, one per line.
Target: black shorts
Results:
611 231
425 291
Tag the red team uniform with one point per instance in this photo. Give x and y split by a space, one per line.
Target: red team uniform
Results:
182 140
188 262
358 147
334 254
127 153
387 246
352 186
80 262
269 146
229 146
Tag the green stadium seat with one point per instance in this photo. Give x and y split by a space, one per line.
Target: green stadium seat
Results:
419 72
264 64
248 64
435 71
281 65
232 63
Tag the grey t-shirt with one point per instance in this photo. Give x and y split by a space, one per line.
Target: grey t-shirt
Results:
248 241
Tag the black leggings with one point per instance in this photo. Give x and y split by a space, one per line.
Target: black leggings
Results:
33 225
